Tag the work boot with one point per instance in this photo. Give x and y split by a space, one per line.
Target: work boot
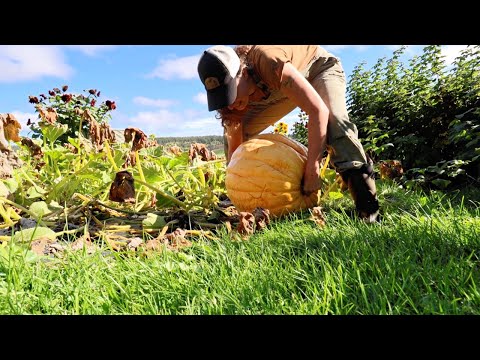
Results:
361 185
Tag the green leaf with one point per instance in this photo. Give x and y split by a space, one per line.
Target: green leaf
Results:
31 257
441 183
164 202
335 195
33 234
4 190
169 266
423 201
53 205
53 132
330 176
106 178
35 192
11 184
153 221
40 208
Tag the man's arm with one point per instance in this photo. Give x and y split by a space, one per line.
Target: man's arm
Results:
234 135
301 92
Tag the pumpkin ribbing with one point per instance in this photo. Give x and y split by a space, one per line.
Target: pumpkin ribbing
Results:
266 171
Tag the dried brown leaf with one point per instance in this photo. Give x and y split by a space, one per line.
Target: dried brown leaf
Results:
138 138
11 128
88 117
134 243
49 115
122 188
83 241
139 141
40 245
99 133
35 150
318 216
246 224
4 146
262 218
176 239
201 152
391 169
175 150
70 147
154 244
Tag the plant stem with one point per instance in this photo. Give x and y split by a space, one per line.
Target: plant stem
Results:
25 210
165 195
109 156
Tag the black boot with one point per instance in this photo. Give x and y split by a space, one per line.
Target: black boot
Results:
361 185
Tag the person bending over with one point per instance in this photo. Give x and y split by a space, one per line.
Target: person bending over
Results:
253 86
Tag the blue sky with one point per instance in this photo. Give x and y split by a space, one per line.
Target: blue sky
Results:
155 87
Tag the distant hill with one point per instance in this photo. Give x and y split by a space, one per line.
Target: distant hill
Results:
119 137
213 142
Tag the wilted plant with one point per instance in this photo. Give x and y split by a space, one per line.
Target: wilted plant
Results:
76 111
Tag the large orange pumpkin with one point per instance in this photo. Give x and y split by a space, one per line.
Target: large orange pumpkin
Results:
266 171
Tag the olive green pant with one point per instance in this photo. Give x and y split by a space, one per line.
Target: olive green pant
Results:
346 151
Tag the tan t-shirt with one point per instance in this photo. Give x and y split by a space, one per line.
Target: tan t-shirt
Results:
268 60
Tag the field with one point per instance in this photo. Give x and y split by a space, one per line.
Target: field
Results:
423 259
144 226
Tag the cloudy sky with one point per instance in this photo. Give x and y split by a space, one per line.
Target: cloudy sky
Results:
155 87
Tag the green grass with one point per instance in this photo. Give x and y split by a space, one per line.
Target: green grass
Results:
422 259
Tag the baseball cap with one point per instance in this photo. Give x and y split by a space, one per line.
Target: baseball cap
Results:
218 66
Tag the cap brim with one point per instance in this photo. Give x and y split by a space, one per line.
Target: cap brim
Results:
222 96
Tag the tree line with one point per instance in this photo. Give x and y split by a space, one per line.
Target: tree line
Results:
212 142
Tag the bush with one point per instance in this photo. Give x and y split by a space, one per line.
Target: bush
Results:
74 110
421 112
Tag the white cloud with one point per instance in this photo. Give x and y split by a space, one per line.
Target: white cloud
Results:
91 50
182 123
169 123
203 125
32 62
451 52
201 98
181 68
141 100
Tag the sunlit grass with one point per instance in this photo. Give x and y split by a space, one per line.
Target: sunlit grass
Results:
422 259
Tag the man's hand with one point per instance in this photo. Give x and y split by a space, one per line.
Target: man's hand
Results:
311 179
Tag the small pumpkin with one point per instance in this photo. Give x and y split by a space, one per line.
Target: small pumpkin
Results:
266 171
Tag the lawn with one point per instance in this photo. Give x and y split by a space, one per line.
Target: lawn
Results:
422 259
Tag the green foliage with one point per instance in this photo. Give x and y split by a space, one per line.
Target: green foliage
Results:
32 234
424 113
300 129
70 111
60 174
